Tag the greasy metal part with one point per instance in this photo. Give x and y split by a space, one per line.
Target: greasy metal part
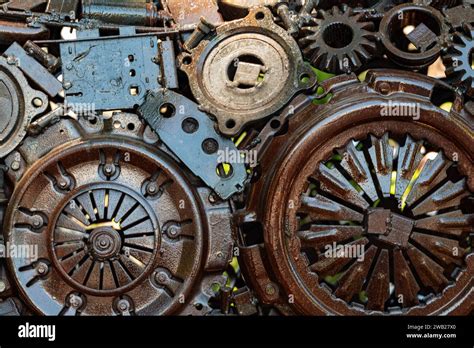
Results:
201 31
69 7
234 9
247 72
27 5
190 12
11 31
340 41
428 24
459 59
49 61
125 12
116 81
459 16
328 189
20 103
178 121
120 228
36 72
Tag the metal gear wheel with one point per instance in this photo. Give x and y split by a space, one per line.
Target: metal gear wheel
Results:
119 230
459 61
340 42
354 224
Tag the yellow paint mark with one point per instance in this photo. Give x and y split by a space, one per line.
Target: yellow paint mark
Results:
446 106
393 183
114 224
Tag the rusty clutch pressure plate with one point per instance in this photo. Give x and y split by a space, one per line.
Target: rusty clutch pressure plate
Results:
236 158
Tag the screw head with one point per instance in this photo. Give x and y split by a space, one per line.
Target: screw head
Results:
15 166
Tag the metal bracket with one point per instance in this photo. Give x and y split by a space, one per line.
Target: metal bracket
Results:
190 135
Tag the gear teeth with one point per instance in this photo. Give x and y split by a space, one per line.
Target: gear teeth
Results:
458 61
341 42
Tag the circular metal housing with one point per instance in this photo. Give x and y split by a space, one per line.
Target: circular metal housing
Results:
115 226
395 40
248 71
20 103
354 224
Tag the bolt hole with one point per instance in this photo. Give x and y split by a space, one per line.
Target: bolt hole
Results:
131 58
190 125
187 60
305 78
199 306
230 124
275 124
93 121
167 110
133 73
131 126
225 170
260 16
210 146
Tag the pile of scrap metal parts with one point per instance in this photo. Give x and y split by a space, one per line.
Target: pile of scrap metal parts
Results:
224 157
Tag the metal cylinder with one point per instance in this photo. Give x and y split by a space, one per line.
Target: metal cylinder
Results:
136 12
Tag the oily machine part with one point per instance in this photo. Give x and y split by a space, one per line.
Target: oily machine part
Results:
249 70
119 230
368 212
19 105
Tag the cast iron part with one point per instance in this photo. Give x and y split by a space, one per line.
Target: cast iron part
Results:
120 228
19 105
247 72
428 35
340 41
334 186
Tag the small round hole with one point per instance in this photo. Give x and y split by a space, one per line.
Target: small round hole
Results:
190 125
133 73
167 110
131 58
259 16
93 120
230 124
225 170
305 78
187 60
210 146
131 126
275 124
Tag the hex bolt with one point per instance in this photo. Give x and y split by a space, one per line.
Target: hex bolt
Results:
203 28
109 169
161 277
15 166
37 221
123 305
42 268
75 301
173 231
152 189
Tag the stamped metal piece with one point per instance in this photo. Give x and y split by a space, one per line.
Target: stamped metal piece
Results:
116 80
190 135
248 71
34 70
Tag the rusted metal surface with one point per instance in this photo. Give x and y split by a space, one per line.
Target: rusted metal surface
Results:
315 200
265 65
191 12
106 216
